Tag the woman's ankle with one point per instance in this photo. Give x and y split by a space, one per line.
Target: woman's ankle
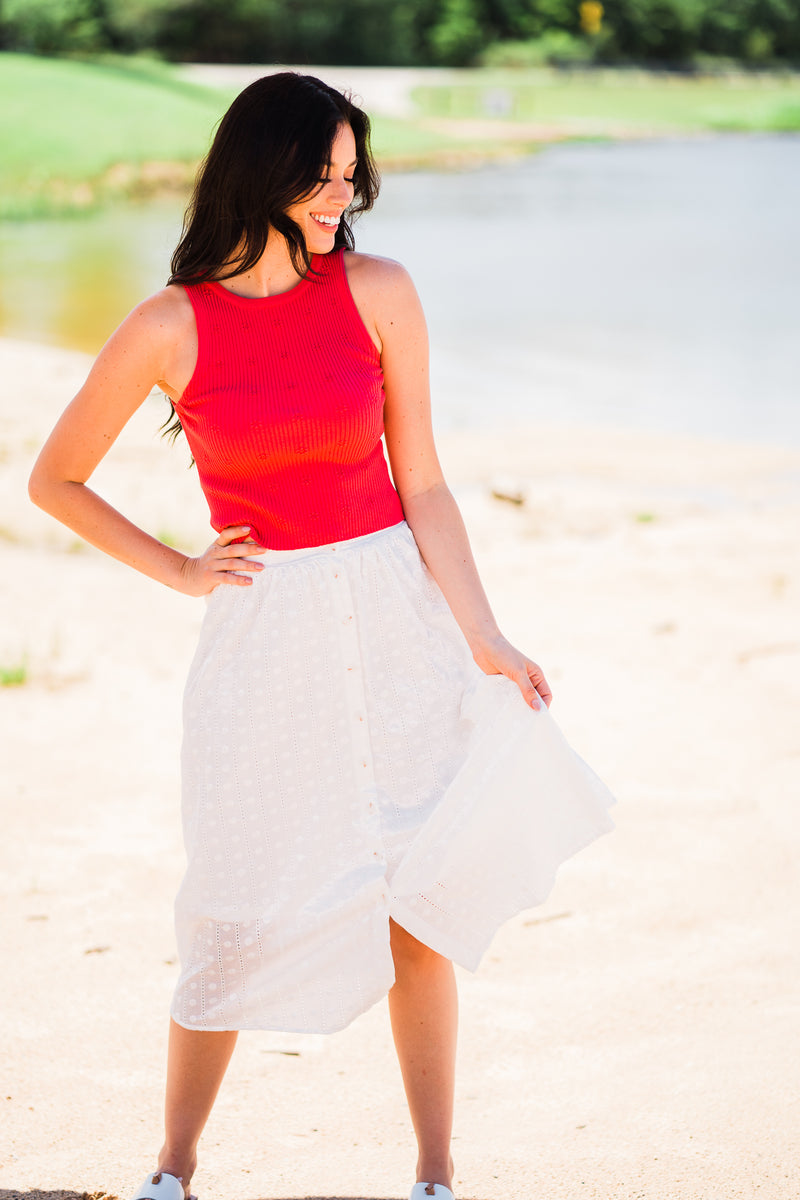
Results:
181 1164
432 1169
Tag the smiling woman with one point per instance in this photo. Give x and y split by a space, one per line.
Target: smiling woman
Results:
259 173
263 175
336 192
371 780
319 215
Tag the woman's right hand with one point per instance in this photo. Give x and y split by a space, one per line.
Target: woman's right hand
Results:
221 563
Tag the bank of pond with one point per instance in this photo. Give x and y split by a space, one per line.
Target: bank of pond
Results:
651 285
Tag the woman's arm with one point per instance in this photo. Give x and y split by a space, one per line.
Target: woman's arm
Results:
155 346
399 325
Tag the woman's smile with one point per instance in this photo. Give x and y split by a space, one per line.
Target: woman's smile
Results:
319 214
325 222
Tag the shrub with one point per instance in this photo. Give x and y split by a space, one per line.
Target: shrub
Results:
53 26
555 48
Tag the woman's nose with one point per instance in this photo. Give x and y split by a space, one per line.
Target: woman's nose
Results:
341 192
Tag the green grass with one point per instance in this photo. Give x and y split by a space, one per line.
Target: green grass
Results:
14 675
66 125
394 140
76 134
169 538
609 98
407 144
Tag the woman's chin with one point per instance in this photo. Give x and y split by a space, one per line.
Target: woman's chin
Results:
320 241
322 246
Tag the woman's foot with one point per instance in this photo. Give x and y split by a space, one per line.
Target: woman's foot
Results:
163 1185
180 1164
431 1191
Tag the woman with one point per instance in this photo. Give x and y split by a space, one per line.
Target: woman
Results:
358 769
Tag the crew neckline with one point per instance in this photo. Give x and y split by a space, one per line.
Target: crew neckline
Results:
279 297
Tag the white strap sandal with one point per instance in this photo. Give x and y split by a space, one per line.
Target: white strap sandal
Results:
161 1186
424 1191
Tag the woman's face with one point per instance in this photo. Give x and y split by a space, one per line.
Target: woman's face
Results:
318 215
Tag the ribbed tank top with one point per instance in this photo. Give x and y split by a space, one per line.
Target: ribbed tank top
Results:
284 412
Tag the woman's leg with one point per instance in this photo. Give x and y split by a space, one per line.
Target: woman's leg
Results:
195 1066
424 1010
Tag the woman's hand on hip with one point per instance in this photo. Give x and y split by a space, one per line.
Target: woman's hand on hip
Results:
222 562
498 657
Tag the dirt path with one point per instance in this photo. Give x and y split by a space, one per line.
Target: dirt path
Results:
385 90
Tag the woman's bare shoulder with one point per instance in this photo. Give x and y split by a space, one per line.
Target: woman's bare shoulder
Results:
374 271
381 287
166 314
157 341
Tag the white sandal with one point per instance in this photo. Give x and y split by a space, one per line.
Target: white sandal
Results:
424 1191
162 1186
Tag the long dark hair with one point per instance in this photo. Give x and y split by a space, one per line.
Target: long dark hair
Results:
268 152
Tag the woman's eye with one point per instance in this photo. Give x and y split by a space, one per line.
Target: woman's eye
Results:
352 179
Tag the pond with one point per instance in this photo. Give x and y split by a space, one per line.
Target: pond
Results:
650 285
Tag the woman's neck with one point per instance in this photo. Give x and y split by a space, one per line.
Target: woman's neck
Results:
270 276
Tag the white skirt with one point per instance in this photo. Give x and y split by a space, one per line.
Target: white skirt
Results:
345 761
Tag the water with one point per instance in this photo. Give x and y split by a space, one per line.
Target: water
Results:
70 282
645 285
642 285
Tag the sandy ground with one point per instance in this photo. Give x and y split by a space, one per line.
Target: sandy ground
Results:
635 1037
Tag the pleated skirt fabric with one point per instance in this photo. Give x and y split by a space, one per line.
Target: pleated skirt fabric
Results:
345 761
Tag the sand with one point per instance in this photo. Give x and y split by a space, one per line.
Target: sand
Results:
636 1036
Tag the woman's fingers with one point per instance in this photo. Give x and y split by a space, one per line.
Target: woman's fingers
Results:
230 533
230 577
501 658
531 682
238 564
526 685
235 558
226 561
536 677
230 564
229 554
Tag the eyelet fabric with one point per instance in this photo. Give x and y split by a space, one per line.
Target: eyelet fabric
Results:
346 761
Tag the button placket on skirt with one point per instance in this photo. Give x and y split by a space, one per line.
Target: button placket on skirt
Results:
356 703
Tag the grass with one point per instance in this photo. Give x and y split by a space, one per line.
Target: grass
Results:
169 538
77 134
74 132
15 675
652 101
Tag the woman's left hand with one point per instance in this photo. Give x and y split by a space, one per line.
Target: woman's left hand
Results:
498 657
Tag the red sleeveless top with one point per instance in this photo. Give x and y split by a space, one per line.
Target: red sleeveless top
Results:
284 412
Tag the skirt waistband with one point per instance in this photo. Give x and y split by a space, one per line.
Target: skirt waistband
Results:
278 556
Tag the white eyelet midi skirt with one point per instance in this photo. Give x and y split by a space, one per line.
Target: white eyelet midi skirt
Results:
345 761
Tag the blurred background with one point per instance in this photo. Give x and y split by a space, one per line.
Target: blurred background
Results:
613 186
598 202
